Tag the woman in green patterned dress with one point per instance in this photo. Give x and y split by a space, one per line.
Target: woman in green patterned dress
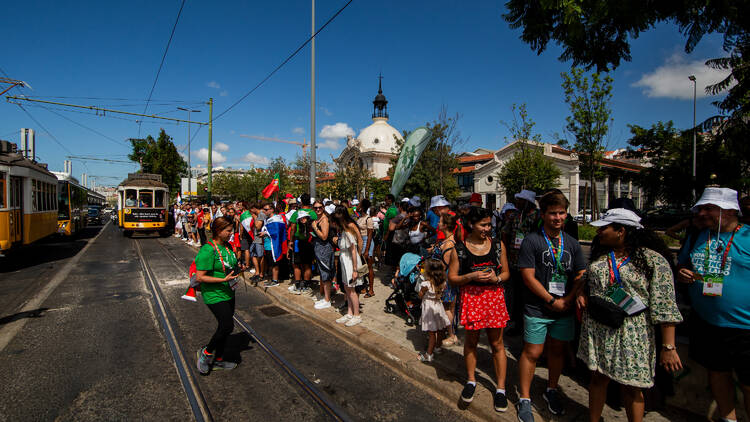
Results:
628 262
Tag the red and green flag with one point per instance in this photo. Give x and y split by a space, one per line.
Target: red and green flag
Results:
272 187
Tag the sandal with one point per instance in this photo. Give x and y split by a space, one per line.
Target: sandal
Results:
368 294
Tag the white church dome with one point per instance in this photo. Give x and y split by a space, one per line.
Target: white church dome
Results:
379 136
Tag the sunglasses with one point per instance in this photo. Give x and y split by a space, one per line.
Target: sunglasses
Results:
317 208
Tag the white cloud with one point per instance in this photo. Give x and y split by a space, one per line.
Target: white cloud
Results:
670 80
224 93
221 146
216 157
326 111
213 84
298 130
329 144
252 157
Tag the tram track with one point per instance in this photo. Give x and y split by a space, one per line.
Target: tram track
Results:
195 397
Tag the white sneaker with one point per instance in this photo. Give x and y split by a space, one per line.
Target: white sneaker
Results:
290 288
353 321
344 319
322 304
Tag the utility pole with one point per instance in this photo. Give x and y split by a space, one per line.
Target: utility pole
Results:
190 168
312 107
210 141
695 84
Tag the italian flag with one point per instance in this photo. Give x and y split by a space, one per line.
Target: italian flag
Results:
246 219
272 187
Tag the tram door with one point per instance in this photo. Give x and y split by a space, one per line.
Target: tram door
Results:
16 209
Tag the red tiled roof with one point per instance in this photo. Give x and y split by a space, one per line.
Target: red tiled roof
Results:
475 158
465 169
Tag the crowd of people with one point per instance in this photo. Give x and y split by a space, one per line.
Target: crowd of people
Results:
520 267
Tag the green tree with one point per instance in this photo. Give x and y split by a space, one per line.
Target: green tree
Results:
351 179
669 153
597 34
589 121
287 181
159 156
528 168
434 172
240 186
301 169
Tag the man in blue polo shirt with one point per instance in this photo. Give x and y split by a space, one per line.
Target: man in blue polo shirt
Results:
718 271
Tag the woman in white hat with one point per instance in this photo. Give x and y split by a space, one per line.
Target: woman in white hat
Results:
630 289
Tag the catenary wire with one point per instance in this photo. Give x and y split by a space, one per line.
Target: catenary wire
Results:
291 56
161 64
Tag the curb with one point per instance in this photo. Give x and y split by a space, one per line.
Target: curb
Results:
395 357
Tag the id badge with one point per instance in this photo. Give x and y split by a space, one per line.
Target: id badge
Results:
519 240
630 304
557 284
713 284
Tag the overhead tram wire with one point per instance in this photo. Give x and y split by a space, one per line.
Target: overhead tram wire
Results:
87 128
291 56
49 133
163 57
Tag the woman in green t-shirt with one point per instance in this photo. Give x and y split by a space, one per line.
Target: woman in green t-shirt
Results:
214 264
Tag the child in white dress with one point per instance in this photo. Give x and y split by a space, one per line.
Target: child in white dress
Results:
434 319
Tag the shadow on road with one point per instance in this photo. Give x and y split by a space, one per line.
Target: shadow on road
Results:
36 313
48 250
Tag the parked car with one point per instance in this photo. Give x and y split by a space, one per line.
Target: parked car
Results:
662 218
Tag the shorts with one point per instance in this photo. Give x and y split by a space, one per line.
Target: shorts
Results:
303 253
720 349
535 329
371 252
244 245
256 250
269 259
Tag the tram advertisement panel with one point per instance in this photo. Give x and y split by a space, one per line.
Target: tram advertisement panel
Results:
136 215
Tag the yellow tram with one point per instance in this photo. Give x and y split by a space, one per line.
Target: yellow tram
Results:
142 201
28 199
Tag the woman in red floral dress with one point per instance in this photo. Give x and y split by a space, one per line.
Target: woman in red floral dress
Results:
479 266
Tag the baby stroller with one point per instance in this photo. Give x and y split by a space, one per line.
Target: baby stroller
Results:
405 296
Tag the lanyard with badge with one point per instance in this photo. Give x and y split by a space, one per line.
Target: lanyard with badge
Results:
559 278
630 304
713 283
233 282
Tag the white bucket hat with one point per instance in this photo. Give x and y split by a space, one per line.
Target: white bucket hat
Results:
302 214
405 200
528 195
723 198
439 201
330 208
619 216
415 201
355 201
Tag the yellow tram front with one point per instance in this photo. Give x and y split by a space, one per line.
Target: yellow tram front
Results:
142 201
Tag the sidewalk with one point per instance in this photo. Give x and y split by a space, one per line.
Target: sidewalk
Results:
388 338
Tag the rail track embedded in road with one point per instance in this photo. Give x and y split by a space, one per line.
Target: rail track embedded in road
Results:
187 378
333 410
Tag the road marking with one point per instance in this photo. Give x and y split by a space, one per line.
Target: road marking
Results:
10 330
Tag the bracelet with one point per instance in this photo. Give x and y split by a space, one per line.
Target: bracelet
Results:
668 347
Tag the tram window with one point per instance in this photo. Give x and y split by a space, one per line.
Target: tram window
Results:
3 203
130 197
159 198
146 198
34 196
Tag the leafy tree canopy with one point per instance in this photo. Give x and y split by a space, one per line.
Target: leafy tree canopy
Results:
159 156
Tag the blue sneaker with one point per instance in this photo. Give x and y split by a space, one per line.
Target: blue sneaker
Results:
204 361
523 409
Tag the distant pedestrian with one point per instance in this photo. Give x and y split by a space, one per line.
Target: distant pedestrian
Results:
215 263
434 319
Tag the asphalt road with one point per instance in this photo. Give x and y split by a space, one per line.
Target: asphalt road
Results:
94 350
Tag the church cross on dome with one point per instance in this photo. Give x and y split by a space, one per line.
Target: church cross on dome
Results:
380 104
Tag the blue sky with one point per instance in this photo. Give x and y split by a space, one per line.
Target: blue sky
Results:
458 54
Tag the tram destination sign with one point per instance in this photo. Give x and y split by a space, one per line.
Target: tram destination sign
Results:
144 215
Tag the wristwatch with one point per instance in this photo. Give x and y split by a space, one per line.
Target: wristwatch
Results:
668 347
551 301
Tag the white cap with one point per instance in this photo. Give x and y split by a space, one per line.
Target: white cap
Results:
619 216
415 201
723 198
302 214
507 206
330 209
528 195
355 201
439 201
405 200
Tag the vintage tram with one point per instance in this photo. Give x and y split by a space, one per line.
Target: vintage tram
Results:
142 201
28 199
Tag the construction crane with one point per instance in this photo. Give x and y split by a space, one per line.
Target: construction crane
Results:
303 144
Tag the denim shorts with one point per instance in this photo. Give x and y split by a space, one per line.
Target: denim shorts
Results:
256 250
371 252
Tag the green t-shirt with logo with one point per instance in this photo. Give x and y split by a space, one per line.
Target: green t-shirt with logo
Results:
208 260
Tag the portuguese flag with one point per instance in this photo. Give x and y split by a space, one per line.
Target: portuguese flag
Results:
272 187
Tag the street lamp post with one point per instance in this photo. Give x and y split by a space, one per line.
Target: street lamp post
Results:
190 169
695 90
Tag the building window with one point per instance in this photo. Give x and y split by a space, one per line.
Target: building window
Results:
490 179
466 182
